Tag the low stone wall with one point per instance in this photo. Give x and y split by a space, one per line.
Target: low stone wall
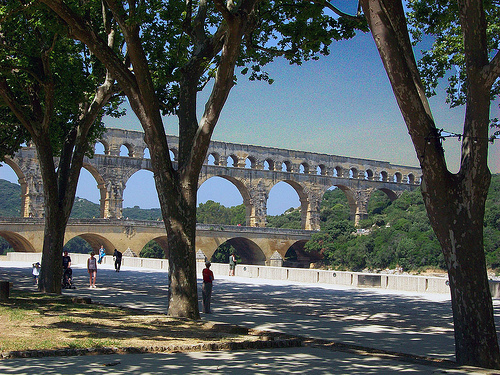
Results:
407 283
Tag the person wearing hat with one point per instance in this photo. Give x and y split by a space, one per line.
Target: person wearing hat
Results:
206 289
36 272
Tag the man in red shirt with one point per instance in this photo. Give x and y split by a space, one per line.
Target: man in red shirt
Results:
206 290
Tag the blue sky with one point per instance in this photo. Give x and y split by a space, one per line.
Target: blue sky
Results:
342 105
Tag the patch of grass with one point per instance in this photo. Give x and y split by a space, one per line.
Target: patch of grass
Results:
35 321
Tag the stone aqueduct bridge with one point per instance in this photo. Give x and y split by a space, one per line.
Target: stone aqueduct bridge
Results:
254 245
254 170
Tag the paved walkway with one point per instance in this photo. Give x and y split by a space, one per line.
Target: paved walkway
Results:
410 323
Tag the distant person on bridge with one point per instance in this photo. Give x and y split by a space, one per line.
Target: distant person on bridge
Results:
206 289
92 269
118 260
102 253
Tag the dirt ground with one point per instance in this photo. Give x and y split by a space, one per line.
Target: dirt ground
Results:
34 321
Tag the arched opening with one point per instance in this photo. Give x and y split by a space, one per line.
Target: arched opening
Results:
383 176
286 166
94 242
250 162
77 245
12 197
268 165
296 257
337 204
411 179
337 172
213 159
232 161
156 248
126 150
140 191
369 174
101 148
321 170
284 206
353 173
11 241
377 203
147 155
246 250
88 196
222 253
304 168
220 201
398 177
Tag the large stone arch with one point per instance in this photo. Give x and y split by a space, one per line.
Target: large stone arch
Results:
162 241
95 241
101 186
296 257
18 242
249 251
390 194
21 178
303 197
242 188
351 199
134 179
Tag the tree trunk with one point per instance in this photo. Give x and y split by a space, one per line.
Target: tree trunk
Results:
455 203
456 210
53 242
183 289
178 204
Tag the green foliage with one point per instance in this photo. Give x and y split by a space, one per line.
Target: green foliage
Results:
136 213
290 219
212 212
5 246
445 59
399 235
78 245
47 76
152 250
84 209
10 199
222 253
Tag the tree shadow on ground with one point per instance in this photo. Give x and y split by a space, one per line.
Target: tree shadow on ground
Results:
405 323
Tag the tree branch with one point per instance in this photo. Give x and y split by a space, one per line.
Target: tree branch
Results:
492 70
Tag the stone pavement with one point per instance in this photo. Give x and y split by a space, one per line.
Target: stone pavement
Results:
408 323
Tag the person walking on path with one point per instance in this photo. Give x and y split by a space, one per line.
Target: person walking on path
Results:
36 272
118 260
102 253
232 264
92 269
206 289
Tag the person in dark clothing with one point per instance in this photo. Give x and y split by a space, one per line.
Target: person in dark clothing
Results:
206 289
118 260
66 261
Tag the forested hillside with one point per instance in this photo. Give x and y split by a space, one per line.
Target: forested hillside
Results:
10 199
395 234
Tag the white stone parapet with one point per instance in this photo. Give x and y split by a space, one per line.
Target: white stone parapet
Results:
407 283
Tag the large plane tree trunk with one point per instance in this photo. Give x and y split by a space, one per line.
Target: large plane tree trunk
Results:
456 210
455 203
